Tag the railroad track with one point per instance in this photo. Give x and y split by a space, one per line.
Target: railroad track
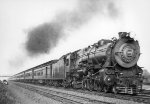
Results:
140 98
73 99
62 97
143 98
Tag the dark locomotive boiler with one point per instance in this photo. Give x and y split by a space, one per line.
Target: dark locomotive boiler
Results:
108 65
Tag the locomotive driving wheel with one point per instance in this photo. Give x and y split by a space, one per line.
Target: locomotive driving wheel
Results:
84 84
97 86
74 83
90 84
100 88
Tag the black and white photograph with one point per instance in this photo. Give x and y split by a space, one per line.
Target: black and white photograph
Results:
74 52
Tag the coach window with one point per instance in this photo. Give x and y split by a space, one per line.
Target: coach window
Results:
34 73
67 62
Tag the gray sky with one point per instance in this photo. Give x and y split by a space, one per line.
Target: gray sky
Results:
19 17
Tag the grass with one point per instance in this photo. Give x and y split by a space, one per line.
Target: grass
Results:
5 95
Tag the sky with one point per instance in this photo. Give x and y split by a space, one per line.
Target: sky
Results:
70 25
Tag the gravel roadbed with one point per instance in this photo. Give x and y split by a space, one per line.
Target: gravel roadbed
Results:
94 97
25 96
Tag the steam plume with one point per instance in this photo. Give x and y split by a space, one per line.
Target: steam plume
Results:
43 38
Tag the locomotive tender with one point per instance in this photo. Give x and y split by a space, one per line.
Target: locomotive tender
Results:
108 65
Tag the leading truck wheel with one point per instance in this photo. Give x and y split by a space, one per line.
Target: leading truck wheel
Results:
114 90
106 89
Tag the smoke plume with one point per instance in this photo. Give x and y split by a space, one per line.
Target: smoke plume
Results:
43 38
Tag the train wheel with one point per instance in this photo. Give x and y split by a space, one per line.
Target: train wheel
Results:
106 89
91 86
114 90
74 84
64 84
56 84
95 85
88 84
83 85
99 88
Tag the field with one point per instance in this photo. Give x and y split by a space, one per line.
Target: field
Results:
5 95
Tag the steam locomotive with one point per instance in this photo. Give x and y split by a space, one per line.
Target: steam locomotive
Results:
108 65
